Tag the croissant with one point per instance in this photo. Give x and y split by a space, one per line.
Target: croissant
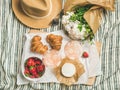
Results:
55 41
37 46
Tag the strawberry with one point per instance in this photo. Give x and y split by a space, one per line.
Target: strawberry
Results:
26 68
37 62
32 76
85 55
32 70
40 68
26 72
36 75
30 62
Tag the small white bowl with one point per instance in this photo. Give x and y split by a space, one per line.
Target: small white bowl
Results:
28 78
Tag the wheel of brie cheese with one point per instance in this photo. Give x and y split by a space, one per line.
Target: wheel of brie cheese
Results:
68 69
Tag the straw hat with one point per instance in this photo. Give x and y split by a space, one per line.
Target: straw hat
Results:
36 13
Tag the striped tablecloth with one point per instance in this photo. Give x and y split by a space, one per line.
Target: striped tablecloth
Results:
11 44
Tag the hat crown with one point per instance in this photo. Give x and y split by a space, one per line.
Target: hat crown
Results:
36 8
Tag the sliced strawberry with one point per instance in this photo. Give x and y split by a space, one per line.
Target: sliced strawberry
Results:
30 62
85 55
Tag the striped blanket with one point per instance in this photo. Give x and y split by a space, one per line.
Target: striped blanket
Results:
12 41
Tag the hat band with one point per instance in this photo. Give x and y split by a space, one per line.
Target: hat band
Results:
35 17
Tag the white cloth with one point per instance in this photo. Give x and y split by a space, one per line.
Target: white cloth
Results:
91 64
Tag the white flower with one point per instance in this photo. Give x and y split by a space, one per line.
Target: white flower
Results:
67 27
72 27
65 18
70 14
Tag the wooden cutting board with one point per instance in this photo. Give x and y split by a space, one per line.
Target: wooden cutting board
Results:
91 80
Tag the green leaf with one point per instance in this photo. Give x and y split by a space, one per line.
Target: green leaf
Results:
27 75
88 30
73 18
31 67
80 27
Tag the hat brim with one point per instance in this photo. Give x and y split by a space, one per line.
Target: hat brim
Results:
36 23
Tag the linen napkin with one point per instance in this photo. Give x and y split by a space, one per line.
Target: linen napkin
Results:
91 64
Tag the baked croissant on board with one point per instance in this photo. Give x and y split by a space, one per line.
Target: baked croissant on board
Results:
55 41
37 46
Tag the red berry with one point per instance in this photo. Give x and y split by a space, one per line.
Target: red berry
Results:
32 76
32 70
26 71
40 68
85 55
36 75
26 68
30 62
38 62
